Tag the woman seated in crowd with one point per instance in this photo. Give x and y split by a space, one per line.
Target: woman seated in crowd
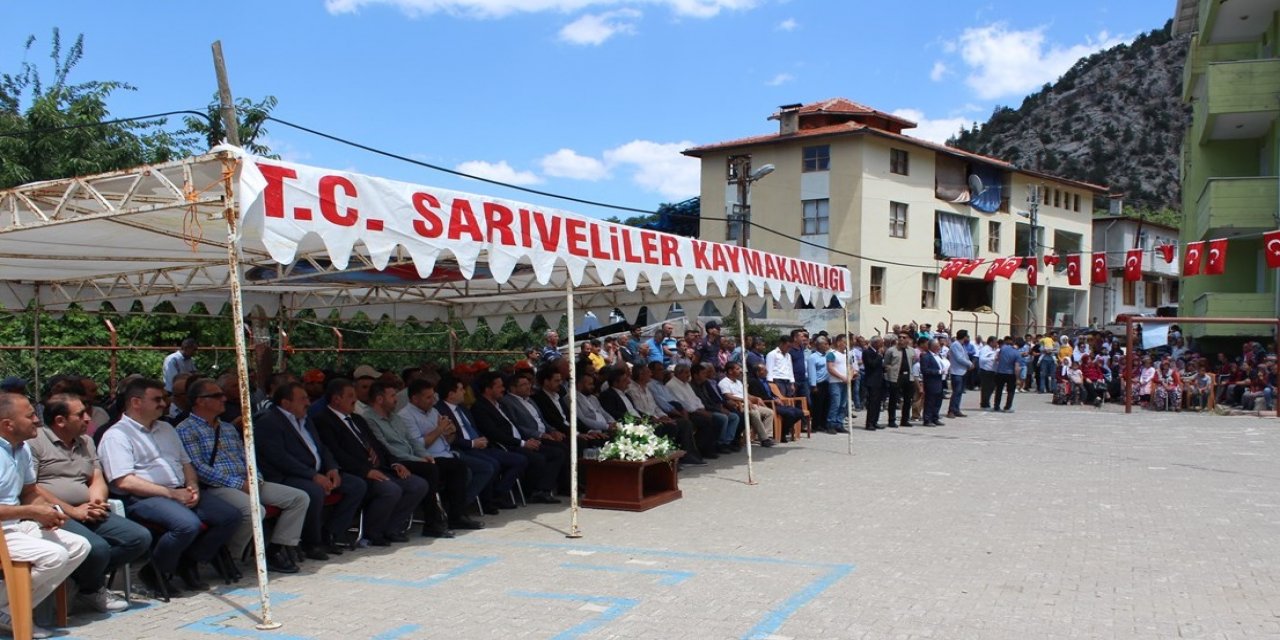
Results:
1144 382
1095 381
1168 388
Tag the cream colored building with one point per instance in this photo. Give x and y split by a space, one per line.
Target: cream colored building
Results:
850 188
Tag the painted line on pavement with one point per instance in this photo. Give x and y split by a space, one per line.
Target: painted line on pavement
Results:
213 624
614 608
473 563
669 577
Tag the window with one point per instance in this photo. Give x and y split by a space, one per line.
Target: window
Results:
1151 297
737 164
816 158
898 162
1130 293
968 294
1057 198
877 285
953 236
929 291
1174 290
733 228
993 236
897 220
815 217
1076 202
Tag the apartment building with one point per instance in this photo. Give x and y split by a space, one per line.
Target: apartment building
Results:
1158 290
851 188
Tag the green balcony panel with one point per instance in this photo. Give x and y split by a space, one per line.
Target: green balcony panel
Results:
1235 305
1199 57
1228 205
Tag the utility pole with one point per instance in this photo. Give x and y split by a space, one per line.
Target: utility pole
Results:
228 107
1034 195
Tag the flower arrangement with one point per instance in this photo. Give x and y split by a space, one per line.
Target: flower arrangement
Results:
635 441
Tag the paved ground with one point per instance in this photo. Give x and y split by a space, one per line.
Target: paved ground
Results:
1053 522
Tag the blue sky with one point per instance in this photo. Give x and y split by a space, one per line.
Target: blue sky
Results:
591 98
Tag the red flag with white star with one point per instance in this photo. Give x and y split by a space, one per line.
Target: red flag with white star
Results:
1099 275
1032 280
952 267
1216 265
1191 264
970 266
1009 267
1133 265
1166 251
1271 247
1073 270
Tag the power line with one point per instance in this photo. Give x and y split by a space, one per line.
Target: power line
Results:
86 125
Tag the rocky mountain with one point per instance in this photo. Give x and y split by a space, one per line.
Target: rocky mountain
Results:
1116 118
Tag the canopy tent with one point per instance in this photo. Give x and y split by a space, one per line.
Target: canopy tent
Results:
311 238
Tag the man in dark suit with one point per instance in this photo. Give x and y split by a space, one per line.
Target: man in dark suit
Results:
547 396
931 372
873 380
543 466
618 406
759 387
393 491
898 361
299 458
519 405
470 443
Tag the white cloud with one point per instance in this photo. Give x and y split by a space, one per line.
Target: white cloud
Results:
1006 62
930 129
789 24
939 71
503 8
500 171
658 167
780 79
567 163
594 28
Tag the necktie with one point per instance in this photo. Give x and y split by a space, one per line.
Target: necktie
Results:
466 424
368 450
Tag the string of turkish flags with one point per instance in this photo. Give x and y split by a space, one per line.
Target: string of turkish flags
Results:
1211 253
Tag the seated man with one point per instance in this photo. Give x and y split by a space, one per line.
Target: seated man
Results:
297 457
426 425
761 415
217 454
145 464
543 466
680 387
505 467
759 388
31 525
67 475
519 405
617 403
393 493
411 452
703 382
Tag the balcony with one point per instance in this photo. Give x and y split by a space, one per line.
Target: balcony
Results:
1235 305
1227 206
1199 57
1239 100
1236 21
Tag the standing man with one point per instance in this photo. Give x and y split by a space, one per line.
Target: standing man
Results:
987 371
145 462
778 364
819 393
800 364
897 371
960 366
217 454
873 380
68 476
180 361
31 525
838 365
1007 363
551 350
932 370
709 348
291 453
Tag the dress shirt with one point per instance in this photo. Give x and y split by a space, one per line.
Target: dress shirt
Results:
153 453
987 358
228 468
799 365
685 395
1007 360
174 364
663 398
302 432
16 471
778 364
591 414
960 362
555 401
817 367
464 421
420 423
395 435
642 398
533 411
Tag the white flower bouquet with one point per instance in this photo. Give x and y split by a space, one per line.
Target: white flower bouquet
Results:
636 441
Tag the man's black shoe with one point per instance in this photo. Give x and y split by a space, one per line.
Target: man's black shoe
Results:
506 503
840 430
163 586
465 523
491 509
334 549
397 537
314 553
543 497
190 575
724 448
908 424
436 531
379 542
871 427
280 562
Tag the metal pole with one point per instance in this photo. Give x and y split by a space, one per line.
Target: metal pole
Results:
574 531
35 334
1128 362
848 382
1033 204
232 214
746 388
115 346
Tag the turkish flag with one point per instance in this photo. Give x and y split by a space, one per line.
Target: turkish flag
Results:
1099 275
1009 267
970 266
1031 272
1133 265
1166 252
952 268
1073 270
1271 246
1217 263
1191 264
994 269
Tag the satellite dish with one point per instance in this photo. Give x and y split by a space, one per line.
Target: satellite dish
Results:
975 185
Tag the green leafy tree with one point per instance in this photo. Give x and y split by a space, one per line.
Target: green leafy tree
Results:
252 119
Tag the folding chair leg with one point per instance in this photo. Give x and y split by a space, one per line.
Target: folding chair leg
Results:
519 488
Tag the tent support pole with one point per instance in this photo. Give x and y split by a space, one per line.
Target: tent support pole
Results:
746 390
232 214
574 531
848 381
35 342
453 341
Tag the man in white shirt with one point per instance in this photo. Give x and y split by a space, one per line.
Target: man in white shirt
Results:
778 365
180 361
987 371
425 423
761 415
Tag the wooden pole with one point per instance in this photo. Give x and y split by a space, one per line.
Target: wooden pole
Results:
232 215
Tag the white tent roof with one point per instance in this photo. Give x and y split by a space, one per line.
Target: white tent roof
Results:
156 233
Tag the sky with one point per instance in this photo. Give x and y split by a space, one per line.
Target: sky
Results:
589 98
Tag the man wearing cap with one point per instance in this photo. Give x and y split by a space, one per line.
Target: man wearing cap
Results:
364 376
180 361
13 384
